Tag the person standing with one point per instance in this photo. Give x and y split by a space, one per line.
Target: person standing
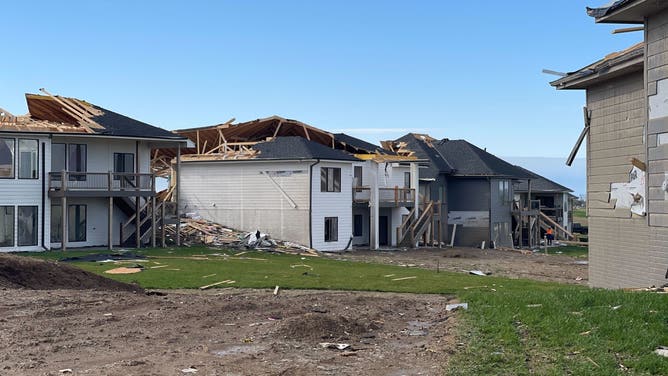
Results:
550 235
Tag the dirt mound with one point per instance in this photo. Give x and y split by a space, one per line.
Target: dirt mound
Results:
35 274
314 326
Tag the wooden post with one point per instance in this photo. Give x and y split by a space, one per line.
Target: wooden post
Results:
530 228
162 225
153 221
177 194
137 222
63 240
110 228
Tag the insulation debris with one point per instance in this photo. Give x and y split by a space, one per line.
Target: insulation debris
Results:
630 195
199 231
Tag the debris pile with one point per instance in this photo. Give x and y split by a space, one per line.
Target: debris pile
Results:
196 231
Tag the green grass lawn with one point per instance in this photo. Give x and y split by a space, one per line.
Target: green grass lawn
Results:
512 327
570 250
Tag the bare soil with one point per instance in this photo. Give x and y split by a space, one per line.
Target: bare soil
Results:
511 264
223 332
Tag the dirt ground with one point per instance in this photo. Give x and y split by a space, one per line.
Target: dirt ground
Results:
228 332
52 320
537 266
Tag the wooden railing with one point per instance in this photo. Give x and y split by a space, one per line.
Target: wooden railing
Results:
394 195
100 181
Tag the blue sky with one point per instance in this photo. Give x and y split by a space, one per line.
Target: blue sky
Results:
375 69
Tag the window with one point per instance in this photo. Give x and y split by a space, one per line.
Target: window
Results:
331 229
124 162
58 157
28 159
27 225
76 223
56 223
6 226
357 224
330 179
358 176
76 161
7 158
407 179
504 191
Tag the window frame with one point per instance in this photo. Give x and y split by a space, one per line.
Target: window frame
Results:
36 160
13 157
358 182
407 179
35 237
65 152
13 223
331 223
330 175
81 161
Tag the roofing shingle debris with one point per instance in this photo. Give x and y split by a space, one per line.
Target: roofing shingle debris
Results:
56 114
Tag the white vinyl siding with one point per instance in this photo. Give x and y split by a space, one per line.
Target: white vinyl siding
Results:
332 204
241 195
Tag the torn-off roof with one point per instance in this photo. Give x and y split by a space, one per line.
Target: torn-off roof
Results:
359 145
56 114
612 65
422 147
296 147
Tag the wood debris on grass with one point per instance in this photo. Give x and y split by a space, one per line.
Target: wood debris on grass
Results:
197 231
227 281
403 278
123 270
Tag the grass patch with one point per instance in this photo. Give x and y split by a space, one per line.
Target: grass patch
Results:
570 250
512 326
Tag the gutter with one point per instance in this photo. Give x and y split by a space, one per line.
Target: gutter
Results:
310 204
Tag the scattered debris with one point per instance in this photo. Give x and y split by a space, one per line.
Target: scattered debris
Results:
189 370
105 257
276 290
338 346
662 350
580 262
403 278
479 272
195 230
124 270
66 370
616 307
534 305
661 290
578 278
456 306
301 266
593 362
209 275
158 266
227 281
588 332
108 314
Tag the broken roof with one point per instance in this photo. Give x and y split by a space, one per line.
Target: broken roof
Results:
422 147
626 11
469 160
359 145
612 65
56 114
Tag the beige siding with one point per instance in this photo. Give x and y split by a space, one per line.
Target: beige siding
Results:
619 244
657 81
241 196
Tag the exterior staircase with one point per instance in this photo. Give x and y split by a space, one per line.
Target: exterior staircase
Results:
412 230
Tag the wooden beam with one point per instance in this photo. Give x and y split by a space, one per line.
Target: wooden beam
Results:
278 128
308 137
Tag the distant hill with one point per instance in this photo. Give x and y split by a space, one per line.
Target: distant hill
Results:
573 177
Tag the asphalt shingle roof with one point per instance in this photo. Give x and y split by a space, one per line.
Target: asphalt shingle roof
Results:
422 150
360 144
116 124
469 160
296 147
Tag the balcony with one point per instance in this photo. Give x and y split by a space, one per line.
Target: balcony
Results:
388 197
100 184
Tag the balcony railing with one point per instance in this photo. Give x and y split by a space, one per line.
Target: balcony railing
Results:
101 182
397 196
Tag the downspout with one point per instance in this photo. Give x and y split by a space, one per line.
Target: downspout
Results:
310 204
43 194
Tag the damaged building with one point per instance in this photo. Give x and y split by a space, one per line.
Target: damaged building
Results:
626 132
